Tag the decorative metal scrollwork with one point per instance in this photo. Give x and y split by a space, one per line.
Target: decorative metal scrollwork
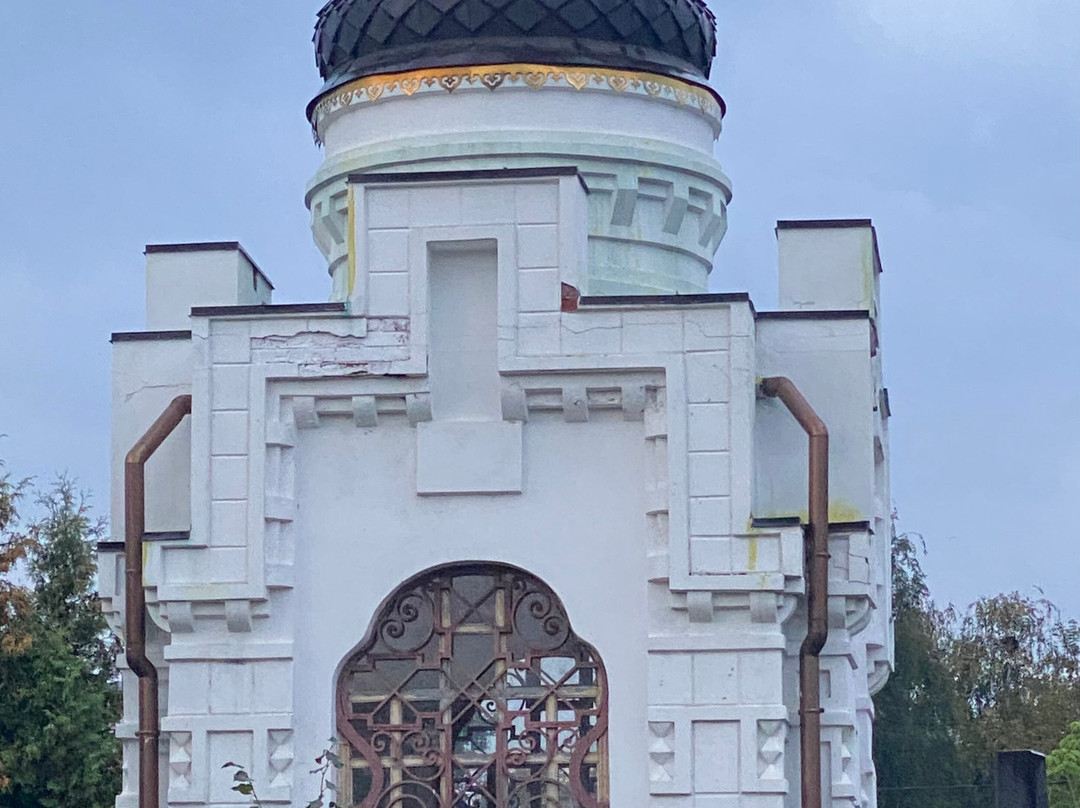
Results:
472 691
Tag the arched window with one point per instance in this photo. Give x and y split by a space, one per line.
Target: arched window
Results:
471 690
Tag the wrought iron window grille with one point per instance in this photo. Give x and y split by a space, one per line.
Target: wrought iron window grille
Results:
471 690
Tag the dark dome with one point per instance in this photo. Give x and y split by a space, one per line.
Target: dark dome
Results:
355 38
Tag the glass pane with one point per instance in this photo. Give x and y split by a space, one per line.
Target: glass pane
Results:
474 692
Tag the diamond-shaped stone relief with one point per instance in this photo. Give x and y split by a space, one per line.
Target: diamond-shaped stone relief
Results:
868 790
281 757
179 760
847 756
661 751
770 745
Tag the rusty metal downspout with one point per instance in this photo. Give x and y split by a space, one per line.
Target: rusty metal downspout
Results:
816 565
135 596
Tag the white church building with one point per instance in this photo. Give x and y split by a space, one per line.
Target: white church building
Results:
525 516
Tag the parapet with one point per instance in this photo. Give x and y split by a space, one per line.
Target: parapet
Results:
217 273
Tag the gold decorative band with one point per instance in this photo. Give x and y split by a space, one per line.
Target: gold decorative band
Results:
370 89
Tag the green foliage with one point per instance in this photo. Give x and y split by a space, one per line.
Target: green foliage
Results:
1004 674
242 782
15 599
63 569
1017 665
326 760
1063 770
61 694
15 602
919 713
323 763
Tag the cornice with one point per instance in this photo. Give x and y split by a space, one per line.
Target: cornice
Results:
537 77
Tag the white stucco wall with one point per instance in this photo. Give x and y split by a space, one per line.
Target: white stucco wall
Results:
657 198
362 529
214 274
517 112
147 375
617 449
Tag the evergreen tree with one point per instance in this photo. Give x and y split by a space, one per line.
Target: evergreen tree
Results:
61 694
63 569
919 714
1004 674
15 599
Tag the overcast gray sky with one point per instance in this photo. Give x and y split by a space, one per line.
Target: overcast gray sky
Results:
954 124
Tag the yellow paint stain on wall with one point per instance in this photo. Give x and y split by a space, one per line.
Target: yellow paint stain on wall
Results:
868 271
751 553
839 511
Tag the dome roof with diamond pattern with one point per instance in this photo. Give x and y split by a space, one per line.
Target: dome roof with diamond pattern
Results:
356 38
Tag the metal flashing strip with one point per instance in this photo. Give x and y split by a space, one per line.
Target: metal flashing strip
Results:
775 521
465 175
813 224
167 535
666 300
812 314
148 336
163 535
268 310
207 246
763 522
713 298
851 527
